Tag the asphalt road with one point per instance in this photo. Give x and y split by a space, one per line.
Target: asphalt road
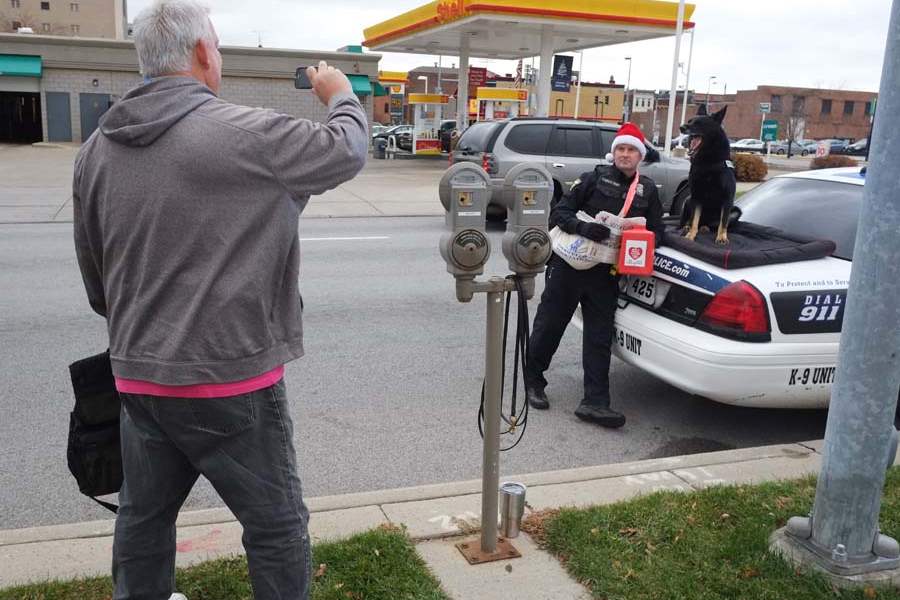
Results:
387 395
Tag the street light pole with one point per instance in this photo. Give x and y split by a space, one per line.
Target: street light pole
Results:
628 92
708 88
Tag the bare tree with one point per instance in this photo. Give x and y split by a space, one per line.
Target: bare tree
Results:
793 123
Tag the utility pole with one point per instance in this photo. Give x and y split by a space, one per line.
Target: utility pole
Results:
842 535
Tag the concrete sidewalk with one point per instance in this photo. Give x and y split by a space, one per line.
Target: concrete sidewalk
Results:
38 187
435 517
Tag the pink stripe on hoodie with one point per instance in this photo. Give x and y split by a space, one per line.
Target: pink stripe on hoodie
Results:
201 390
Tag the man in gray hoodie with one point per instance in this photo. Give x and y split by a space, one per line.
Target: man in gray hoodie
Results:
186 215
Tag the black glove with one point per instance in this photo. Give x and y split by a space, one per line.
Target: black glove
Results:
592 231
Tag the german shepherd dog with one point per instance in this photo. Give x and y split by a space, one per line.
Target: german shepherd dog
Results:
711 179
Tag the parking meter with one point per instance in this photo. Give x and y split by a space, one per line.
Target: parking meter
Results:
527 191
464 189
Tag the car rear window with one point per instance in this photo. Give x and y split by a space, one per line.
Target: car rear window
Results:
825 210
476 137
529 138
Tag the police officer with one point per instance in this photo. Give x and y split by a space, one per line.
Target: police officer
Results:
596 289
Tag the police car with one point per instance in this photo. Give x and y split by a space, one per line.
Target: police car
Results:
763 336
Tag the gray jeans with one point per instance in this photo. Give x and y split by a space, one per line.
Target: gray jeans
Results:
244 446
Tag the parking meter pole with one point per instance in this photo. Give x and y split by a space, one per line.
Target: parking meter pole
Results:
843 530
490 468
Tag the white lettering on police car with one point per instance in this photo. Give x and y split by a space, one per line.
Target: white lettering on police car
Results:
667 265
821 307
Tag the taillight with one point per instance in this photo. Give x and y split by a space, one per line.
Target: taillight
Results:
738 311
488 163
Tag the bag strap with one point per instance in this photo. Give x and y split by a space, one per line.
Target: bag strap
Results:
629 197
107 505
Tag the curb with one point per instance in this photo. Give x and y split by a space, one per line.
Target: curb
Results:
321 504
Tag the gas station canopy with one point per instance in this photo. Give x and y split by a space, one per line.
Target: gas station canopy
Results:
513 29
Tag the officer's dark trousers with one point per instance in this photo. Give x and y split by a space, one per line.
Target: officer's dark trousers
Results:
564 289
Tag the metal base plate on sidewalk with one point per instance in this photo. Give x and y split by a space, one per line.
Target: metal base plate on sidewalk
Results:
471 550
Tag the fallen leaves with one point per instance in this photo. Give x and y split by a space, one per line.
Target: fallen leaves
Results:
749 573
321 570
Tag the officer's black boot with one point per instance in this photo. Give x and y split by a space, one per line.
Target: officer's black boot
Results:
536 397
601 415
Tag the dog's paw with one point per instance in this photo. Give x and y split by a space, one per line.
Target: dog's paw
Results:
690 235
722 240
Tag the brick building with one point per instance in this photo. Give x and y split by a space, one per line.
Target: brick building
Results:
56 88
802 113
73 18
808 113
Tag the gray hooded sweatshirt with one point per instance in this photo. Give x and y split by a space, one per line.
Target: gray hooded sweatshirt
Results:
186 216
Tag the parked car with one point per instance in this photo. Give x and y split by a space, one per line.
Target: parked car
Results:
402 133
836 146
763 336
749 145
858 148
377 128
681 139
800 147
393 130
566 147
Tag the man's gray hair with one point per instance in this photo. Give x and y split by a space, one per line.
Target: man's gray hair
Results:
166 32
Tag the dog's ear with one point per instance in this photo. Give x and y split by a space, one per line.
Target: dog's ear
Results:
720 115
701 110
652 155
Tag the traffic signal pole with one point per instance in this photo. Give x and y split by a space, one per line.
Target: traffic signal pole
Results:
842 536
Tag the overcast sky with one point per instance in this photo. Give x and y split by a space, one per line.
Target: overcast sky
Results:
815 43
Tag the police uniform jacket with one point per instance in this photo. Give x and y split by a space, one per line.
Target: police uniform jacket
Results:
604 189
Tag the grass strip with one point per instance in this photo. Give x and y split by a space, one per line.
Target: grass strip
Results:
381 564
710 544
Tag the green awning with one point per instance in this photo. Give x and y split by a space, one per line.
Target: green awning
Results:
361 85
379 89
16 65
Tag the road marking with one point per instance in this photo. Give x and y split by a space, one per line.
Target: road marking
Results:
346 239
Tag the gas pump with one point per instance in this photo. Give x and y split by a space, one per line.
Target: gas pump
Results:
465 248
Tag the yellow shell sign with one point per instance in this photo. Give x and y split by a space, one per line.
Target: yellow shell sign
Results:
450 10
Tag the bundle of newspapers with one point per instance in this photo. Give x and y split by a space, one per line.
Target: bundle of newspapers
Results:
582 253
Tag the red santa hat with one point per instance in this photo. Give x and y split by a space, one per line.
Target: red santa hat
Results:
630 134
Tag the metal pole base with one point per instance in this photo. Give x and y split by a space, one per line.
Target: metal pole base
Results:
471 550
795 543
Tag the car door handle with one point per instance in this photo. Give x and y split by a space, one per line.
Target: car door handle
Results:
559 166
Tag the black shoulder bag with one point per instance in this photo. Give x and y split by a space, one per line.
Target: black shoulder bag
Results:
94 449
